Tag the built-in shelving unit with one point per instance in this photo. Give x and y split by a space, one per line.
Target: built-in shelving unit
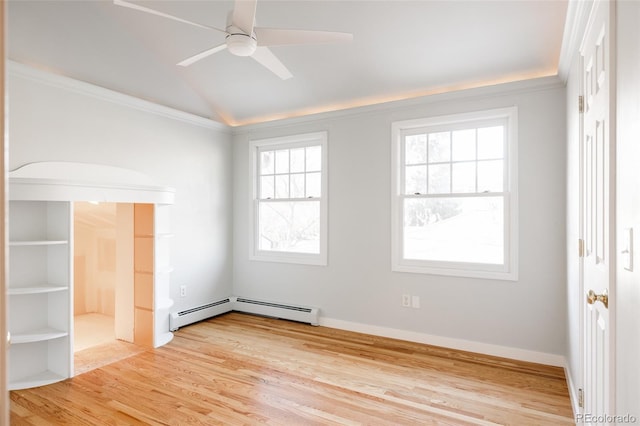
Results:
40 286
40 282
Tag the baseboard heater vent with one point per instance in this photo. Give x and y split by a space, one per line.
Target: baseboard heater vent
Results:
189 316
250 306
276 310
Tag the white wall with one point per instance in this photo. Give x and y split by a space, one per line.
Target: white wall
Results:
52 122
358 286
627 296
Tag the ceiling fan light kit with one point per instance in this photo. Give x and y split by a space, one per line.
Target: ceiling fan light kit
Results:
241 44
241 39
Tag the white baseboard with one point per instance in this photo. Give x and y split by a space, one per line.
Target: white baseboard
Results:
448 342
573 389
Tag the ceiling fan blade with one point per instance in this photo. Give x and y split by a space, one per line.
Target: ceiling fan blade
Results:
267 59
190 60
244 15
134 6
278 36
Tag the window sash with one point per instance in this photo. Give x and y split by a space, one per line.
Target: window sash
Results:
449 264
451 163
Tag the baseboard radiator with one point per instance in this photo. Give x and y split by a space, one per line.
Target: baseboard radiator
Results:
304 314
276 310
189 316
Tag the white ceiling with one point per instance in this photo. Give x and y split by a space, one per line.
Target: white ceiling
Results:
400 49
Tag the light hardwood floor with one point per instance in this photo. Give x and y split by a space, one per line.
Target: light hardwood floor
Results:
242 369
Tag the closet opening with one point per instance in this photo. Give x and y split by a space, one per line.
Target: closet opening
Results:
113 282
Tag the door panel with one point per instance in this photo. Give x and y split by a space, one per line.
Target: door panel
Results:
598 214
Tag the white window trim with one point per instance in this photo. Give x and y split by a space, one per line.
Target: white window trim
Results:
508 271
307 139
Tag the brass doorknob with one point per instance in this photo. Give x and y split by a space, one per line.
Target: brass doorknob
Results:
592 298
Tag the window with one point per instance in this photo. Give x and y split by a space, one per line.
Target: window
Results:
454 195
289 176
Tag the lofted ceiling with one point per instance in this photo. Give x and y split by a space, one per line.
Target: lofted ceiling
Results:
400 49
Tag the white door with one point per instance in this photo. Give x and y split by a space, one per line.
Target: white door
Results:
598 214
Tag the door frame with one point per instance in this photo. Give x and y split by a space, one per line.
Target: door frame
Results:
4 379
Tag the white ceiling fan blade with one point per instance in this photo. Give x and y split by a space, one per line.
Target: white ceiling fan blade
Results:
244 14
124 3
190 60
278 36
266 58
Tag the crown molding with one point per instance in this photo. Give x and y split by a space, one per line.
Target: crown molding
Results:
87 89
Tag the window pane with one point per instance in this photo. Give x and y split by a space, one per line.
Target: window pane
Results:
297 160
454 229
491 176
289 226
282 161
314 185
464 177
266 162
266 187
439 179
464 145
282 186
415 149
415 179
314 158
297 185
439 147
491 142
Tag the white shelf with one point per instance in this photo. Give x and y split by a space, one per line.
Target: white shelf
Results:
165 235
37 243
36 290
39 379
40 284
39 335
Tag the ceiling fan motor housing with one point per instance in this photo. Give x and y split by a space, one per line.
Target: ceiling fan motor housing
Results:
240 43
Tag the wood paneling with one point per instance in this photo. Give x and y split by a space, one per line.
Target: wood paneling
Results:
242 369
144 273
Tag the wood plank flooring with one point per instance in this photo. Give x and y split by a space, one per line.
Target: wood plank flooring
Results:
241 369
104 354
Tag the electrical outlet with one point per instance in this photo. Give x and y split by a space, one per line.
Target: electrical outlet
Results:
183 290
415 302
406 300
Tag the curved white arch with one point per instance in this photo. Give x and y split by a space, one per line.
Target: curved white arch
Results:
69 181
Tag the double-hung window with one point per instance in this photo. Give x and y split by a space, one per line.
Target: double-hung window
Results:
289 202
454 195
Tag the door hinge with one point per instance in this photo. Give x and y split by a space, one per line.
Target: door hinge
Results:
580 247
581 104
580 398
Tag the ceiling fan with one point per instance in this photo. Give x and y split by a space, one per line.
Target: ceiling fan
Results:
243 38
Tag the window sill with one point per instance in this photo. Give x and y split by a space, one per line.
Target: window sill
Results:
467 273
293 258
